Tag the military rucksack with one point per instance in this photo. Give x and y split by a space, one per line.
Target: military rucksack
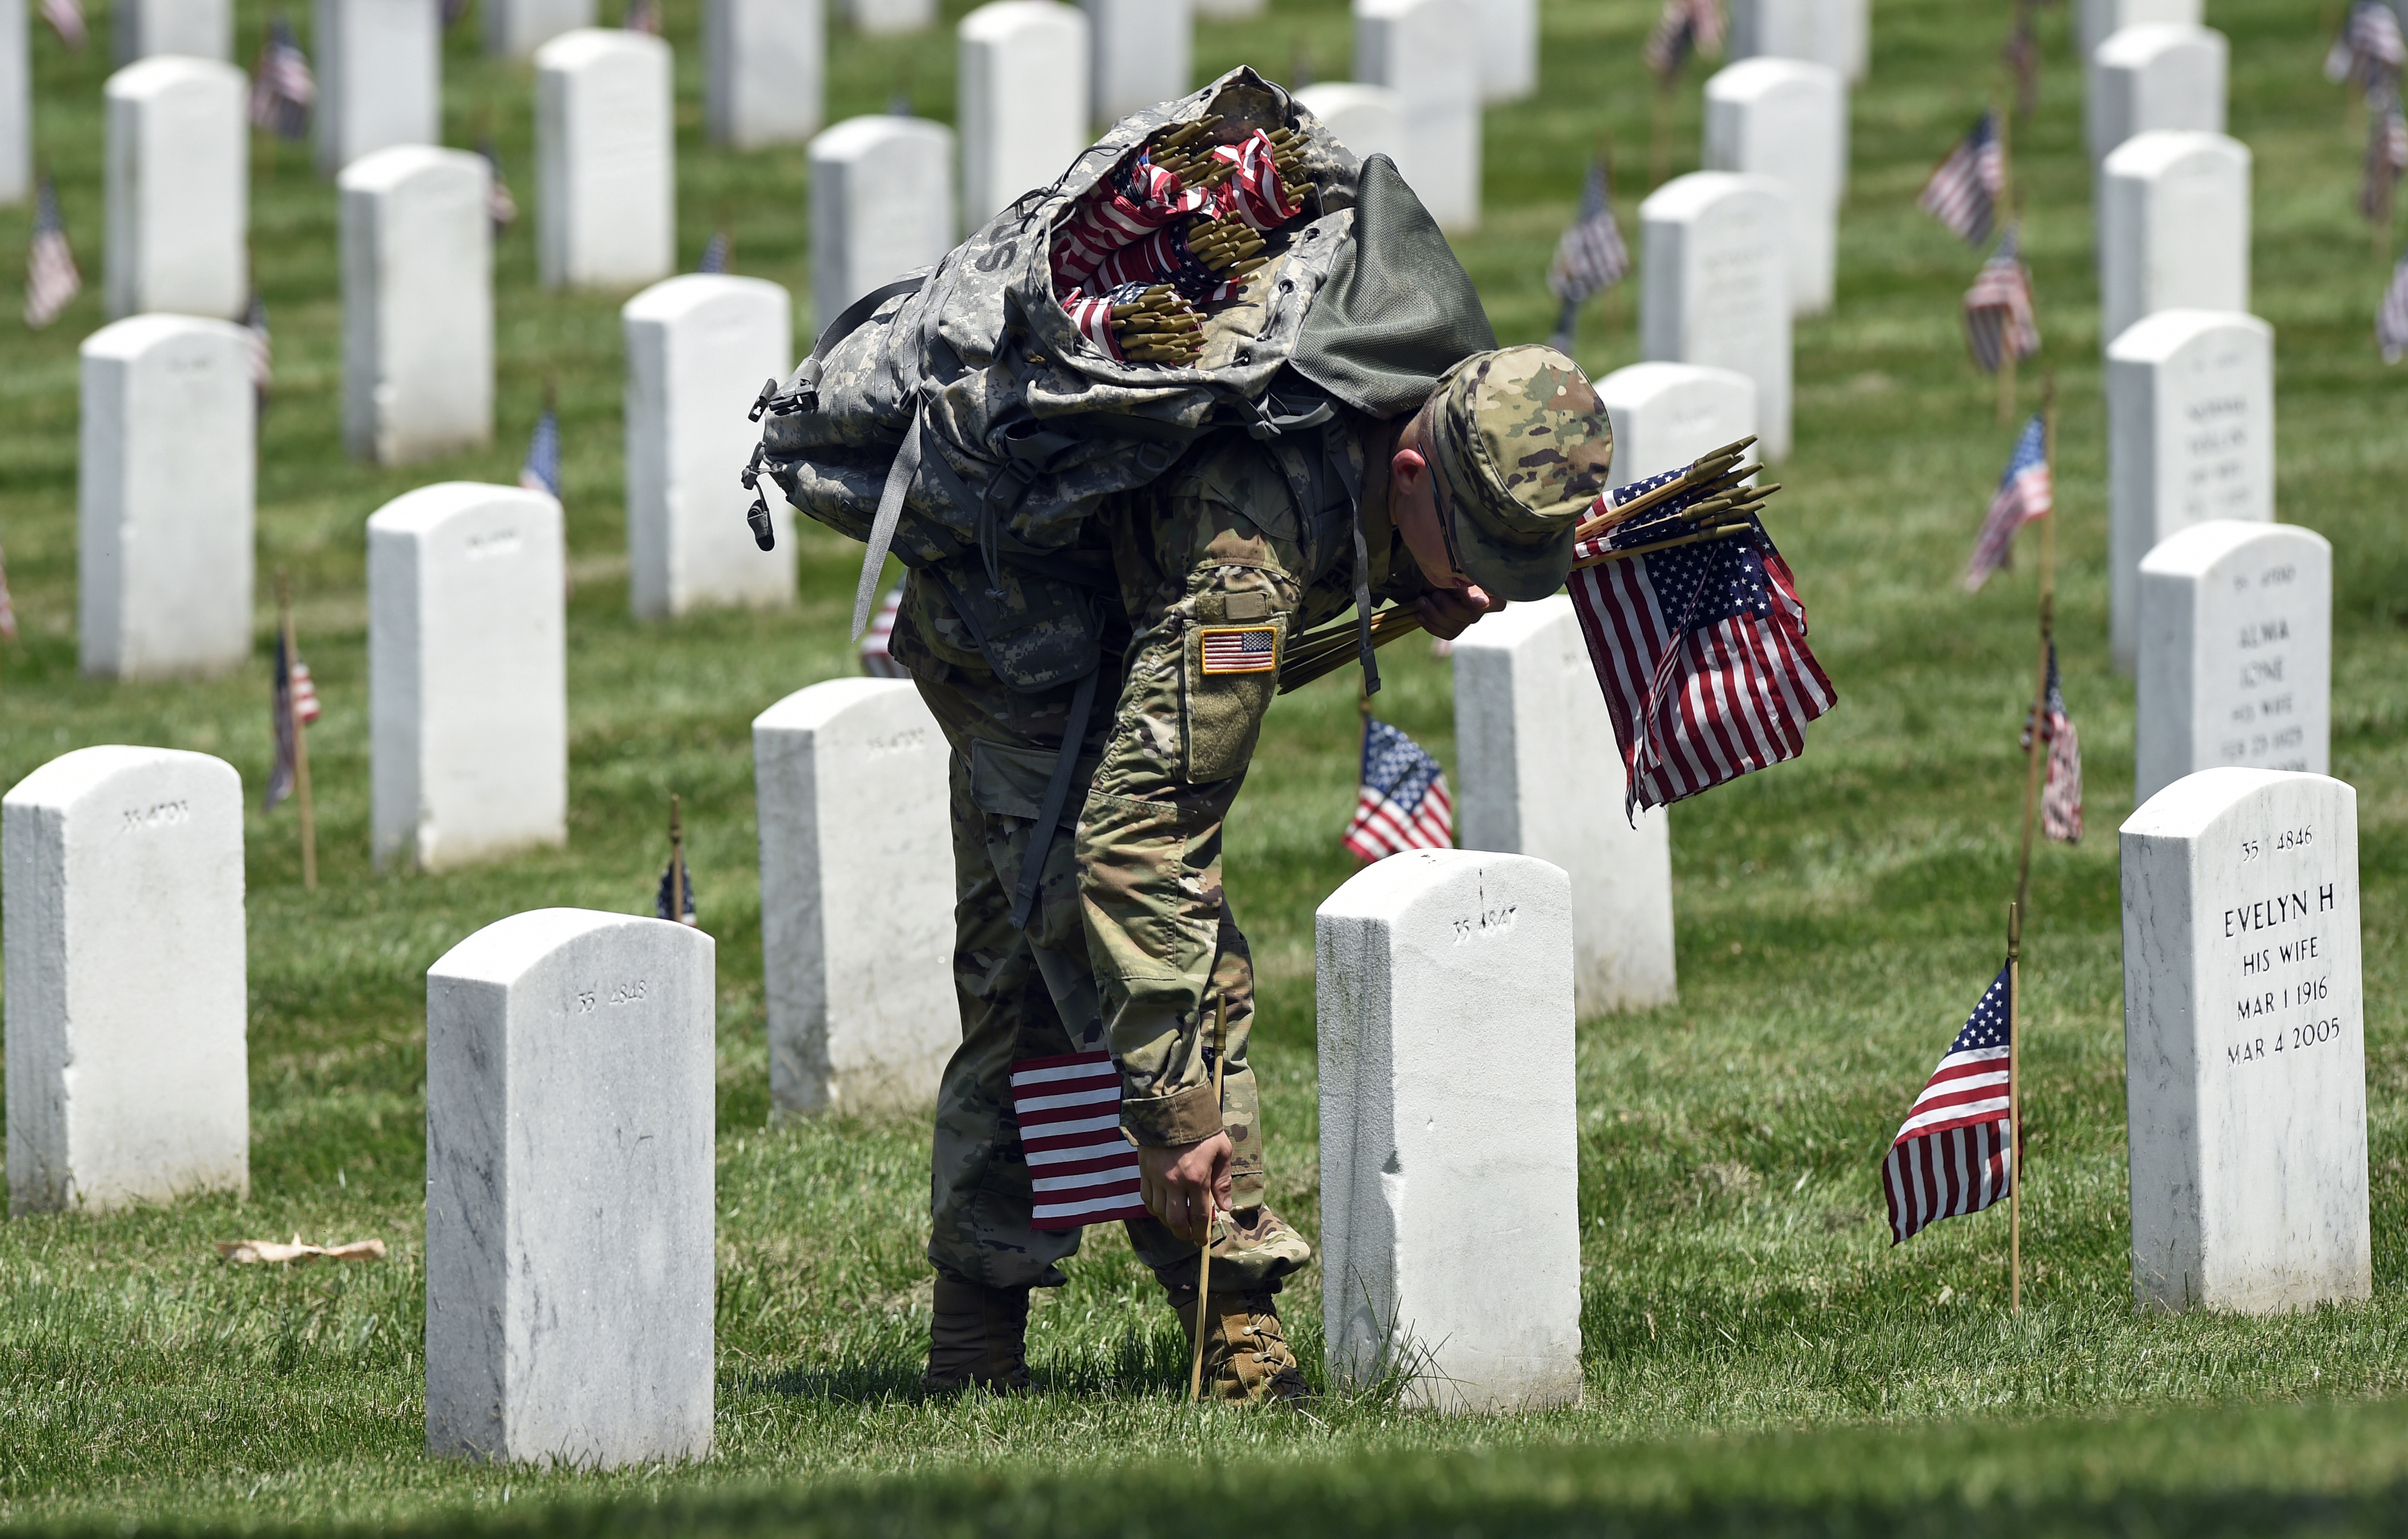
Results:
962 418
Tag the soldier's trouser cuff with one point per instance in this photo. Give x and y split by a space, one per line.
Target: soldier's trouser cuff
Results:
1187 1116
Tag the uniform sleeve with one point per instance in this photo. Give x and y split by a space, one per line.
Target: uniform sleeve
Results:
1218 602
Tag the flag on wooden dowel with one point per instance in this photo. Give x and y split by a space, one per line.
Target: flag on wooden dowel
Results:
261 344
2386 157
1951 1156
1080 1170
1998 311
1684 27
282 90
2060 793
1964 191
2391 316
2025 493
877 657
2020 54
716 253
296 706
1401 802
8 605
642 16
52 280
1590 258
541 470
2368 51
66 18
674 902
502 208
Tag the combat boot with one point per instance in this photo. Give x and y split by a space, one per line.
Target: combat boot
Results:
1246 1356
979 1336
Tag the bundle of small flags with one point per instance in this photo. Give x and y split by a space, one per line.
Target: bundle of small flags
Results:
1999 312
1695 630
282 90
2391 316
2025 493
502 208
52 280
1964 191
8 605
1951 1156
2060 795
1590 258
877 660
541 471
2368 51
1684 27
66 18
1401 802
295 708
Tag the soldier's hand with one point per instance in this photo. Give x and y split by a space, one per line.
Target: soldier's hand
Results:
1184 1183
1448 612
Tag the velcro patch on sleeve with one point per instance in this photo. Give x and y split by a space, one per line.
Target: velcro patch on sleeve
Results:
1241 648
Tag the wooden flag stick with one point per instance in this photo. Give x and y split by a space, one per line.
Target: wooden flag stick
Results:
1211 1198
2004 116
300 736
2015 1110
677 860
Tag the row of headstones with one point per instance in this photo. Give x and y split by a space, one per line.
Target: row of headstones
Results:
570 1094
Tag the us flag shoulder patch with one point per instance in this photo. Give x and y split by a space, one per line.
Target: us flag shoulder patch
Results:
1241 648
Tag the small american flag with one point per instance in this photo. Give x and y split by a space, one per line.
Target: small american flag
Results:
2025 493
502 208
877 658
2060 793
1402 802
1682 28
282 90
1964 190
66 18
455 11
1998 307
1700 651
2386 157
263 348
541 472
667 907
295 708
1950 1157
1590 258
2391 317
8 606
1241 648
51 281
642 16
2021 55
1080 1170
2370 51
716 253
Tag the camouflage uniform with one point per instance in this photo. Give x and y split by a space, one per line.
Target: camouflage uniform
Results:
1131 939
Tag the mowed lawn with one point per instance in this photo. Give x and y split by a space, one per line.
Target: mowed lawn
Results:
1758 1357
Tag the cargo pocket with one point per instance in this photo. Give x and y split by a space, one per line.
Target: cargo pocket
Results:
1232 672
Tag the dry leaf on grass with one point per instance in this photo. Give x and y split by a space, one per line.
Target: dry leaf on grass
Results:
243 1252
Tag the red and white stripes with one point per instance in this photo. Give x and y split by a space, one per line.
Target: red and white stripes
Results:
1079 1167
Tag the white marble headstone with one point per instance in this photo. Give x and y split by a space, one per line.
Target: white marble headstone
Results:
166 487
857 896
178 189
1429 52
1450 1204
1023 100
765 70
2173 227
1529 722
1833 33
1141 53
2236 653
514 29
1786 121
467 675
2190 437
570 1219
606 159
699 346
881 204
880 16
2244 1044
418 304
1509 52
194 29
120 900
1230 10
1665 415
1715 286
379 71
1368 119
2097 21
2156 75
16 106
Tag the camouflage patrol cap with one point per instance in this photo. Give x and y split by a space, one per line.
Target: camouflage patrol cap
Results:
1521 448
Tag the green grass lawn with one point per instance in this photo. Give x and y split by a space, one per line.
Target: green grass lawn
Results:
1758 1359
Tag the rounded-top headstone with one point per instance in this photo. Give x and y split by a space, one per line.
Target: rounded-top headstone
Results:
2236 653
122 905
1022 108
1428 51
194 29
605 159
1368 119
2244 1043
881 204
178 189
380 66
1788 120
418 303
2173 227
1141 55
2100 20
1836 33
516 28
2156 75
1715 286
889 16
1665 415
